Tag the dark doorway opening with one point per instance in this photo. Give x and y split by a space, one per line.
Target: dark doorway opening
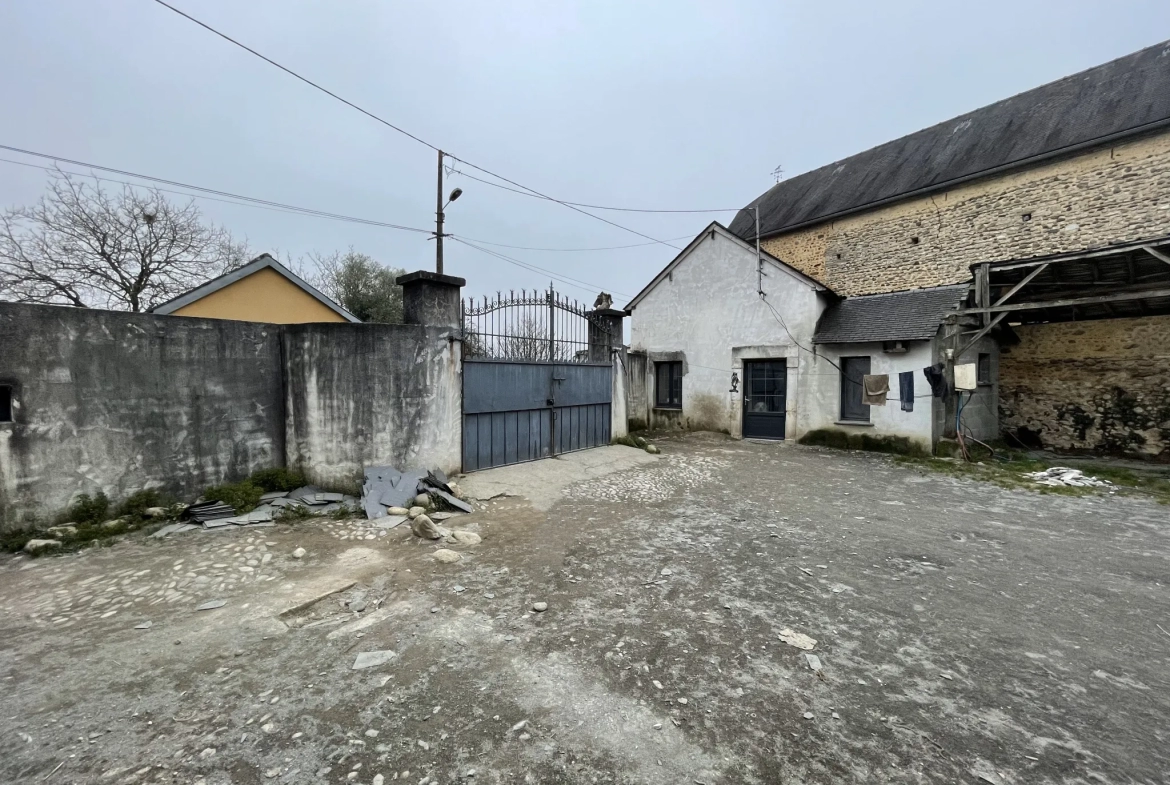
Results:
765 395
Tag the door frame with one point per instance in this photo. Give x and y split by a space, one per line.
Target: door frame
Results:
744 354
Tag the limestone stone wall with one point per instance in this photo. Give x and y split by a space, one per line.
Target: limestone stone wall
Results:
1100 385
1105 195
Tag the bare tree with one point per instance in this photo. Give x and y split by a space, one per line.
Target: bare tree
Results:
129 250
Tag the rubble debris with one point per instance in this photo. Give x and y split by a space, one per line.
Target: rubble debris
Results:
271 495
814 662
210 511
390 521
169 529
372 659
797 639
446 556
211 605
457 503
1070 478
388 490
146 625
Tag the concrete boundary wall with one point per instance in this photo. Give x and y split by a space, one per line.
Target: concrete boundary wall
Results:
118 402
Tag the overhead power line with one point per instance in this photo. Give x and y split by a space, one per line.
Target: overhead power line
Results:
576 283
216 192
602 248
249 201
590 206
388 124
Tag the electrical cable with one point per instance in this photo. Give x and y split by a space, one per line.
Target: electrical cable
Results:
390 125
251 199
581 204
574 282
567 250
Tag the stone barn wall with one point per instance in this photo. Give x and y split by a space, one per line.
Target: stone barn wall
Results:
1100 385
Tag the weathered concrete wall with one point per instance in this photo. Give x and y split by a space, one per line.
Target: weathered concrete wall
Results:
361 394
823 379
1100 385
706 308
637 403
1105 195
119 402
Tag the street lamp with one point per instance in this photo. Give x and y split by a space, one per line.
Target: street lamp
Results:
439 208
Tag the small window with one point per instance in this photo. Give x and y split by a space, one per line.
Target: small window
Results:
853 370
5 403
983 371
668 385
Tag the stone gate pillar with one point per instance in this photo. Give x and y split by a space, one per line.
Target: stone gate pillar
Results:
430 298
605 333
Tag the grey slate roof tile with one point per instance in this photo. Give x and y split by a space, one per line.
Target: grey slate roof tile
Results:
899 316
1127 95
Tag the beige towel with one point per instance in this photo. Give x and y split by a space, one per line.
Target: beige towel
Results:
874 388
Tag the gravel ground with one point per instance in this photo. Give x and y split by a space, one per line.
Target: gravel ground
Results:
964 633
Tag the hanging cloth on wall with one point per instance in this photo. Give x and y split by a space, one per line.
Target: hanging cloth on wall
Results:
936 380
874 389
906 390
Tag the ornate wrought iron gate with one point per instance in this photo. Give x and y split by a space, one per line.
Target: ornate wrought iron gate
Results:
537 378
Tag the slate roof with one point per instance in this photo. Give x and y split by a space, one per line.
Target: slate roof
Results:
898 316
1121 98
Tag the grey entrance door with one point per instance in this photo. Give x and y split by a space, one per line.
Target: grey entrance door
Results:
520 411
765 394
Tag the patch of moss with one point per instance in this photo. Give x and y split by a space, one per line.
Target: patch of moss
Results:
277 479
840 440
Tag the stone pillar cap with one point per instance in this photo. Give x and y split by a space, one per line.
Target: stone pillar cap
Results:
427 275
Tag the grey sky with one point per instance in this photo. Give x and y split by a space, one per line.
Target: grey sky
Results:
641 104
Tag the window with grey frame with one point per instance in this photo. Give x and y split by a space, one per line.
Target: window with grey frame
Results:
668 378
853 371
983 369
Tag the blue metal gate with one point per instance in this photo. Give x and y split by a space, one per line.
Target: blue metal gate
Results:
537 379
521 411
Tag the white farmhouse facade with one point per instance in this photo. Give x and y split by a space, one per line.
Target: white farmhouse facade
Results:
727 338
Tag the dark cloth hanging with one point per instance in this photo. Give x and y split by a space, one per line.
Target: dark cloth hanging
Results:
906 390
936 380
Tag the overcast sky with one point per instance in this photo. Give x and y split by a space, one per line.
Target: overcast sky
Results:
665 105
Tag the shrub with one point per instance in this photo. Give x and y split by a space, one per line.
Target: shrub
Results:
89 509
137 504
240 496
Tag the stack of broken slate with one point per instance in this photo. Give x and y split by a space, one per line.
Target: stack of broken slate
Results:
387 487
214 514
312 499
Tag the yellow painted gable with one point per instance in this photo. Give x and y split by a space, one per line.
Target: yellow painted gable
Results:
264 296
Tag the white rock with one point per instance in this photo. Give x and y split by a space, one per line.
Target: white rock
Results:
398 511
423 500
540 607
299 553
372 659
416 511
446 556
465 538
424 527
37 546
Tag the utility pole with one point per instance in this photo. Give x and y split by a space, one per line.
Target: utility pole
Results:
439 219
